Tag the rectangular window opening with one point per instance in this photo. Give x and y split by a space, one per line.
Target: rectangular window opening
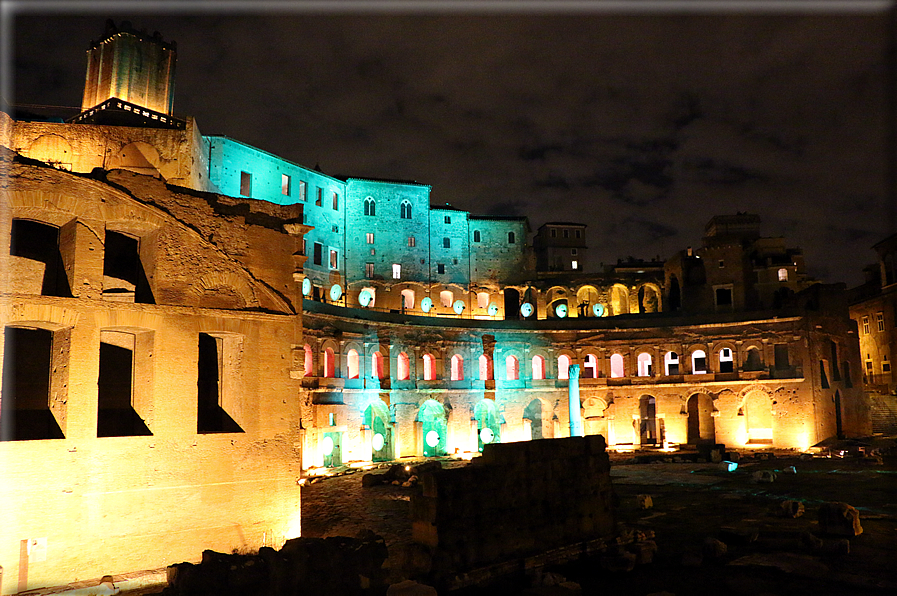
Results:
334 259
218 408
124 277
38 266
285 185
303 193
246 184
123 359
318 253
35 376
396 271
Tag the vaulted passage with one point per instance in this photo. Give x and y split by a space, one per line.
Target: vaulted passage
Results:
26 412
39 243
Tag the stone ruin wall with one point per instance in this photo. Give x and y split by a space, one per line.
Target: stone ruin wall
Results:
517 500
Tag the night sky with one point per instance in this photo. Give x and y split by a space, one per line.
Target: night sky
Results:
640 123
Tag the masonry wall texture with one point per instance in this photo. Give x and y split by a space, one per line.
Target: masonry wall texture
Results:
118 503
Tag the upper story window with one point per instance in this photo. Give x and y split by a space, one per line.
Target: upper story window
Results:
880 320
319 197
246 184
370 206
783 274
448 219
406 209
396 271
370 237
476 235
511 238
554 233
335 201
334 259
303 190
318 248
411 242
446 243
579 233
285 185
566 233
866 329
369 270
574 265
440 268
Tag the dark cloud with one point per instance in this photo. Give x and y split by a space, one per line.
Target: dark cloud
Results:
641 126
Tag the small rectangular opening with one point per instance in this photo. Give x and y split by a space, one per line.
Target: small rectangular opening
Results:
246 184
124 278
40 268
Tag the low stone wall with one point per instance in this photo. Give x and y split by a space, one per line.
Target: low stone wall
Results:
517 500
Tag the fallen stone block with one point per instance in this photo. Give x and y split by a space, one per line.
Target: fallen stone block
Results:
410 588
714 548
728 466
763 476
645 501
792 509
738 535
839 519
644 551
621 563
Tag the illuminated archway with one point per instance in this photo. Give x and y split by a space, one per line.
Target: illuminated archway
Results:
538 367
434 428
352 364
429 367
457 368
488 423
377 421
404 367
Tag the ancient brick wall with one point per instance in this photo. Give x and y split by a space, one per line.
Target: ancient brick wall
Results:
518 500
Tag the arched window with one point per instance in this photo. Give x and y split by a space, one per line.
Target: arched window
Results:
563 366
783 274
446 298
485 368
512 369
698 362
538 367
511 238
616 366
352 364
370 206
590 367
752 360
406 209
644 364
404 366
671 363
329 364
309 362
483 299
429 367
476 236
457 368
376 365
408 299
726 362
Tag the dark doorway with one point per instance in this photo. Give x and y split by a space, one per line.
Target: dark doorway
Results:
115 415
838 427
211 417
648 415
675 294
700 419
512 303
26 413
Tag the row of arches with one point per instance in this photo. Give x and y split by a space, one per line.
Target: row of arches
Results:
671 363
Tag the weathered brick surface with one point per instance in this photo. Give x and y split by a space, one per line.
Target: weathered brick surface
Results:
519 499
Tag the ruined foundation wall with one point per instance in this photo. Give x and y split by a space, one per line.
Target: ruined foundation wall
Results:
518 500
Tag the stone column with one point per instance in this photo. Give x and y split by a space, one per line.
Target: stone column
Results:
576 429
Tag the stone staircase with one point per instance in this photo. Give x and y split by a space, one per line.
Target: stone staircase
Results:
884 414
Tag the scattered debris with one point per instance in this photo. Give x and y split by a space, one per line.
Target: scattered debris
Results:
728 466
645 501
790 470
839 519
763 476
792 509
